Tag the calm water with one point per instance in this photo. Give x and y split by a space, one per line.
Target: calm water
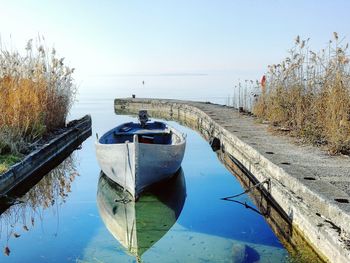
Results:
61 219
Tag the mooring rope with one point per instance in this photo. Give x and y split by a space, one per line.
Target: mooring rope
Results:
126 165
125 198
246 205
129 162
248 190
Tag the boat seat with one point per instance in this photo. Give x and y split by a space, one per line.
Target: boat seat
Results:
146 139
151 137
142 132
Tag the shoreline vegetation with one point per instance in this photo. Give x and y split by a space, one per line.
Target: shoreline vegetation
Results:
308 95
36 93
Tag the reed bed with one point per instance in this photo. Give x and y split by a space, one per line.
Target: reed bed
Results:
36 94
245 94
308 93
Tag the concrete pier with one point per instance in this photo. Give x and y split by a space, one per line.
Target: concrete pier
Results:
310 187
45 156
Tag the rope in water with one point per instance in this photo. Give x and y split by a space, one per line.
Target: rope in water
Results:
258 185
125 199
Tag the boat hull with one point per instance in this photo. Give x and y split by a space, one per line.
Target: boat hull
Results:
117 161
156 162
135 166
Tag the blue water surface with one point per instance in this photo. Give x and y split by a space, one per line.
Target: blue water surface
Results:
55 225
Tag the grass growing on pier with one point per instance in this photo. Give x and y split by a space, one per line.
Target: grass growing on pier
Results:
7 160
309 93
36 93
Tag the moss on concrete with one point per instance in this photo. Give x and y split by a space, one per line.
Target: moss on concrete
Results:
7 160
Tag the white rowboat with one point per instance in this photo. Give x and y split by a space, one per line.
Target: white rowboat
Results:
137 155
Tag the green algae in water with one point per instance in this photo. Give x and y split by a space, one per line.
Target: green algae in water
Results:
139 225
148 232
208 230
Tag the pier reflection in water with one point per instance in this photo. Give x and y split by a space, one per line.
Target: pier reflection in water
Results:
256 201
25 208
68 226
139 225
207 230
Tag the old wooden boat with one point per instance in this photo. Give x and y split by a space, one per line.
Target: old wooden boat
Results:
137 155
137 226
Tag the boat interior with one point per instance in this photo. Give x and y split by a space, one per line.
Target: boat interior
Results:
151 133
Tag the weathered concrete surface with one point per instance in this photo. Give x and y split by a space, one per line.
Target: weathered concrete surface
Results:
77 132
311 187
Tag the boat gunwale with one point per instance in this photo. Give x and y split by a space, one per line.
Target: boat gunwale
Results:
181 136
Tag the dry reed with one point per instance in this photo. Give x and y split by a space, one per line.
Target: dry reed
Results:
309 93
36 93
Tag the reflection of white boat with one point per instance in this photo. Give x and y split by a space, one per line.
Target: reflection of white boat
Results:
138 225
136 155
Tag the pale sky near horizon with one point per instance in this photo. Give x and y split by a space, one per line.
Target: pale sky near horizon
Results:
173 37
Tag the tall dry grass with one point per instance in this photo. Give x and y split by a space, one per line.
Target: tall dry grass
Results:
36 93
309 93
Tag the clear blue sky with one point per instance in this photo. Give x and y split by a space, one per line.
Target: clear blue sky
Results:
182 36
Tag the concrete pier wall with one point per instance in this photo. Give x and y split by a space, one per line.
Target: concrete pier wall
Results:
311 188
65 143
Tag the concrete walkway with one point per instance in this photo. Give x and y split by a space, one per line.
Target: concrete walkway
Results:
312 187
